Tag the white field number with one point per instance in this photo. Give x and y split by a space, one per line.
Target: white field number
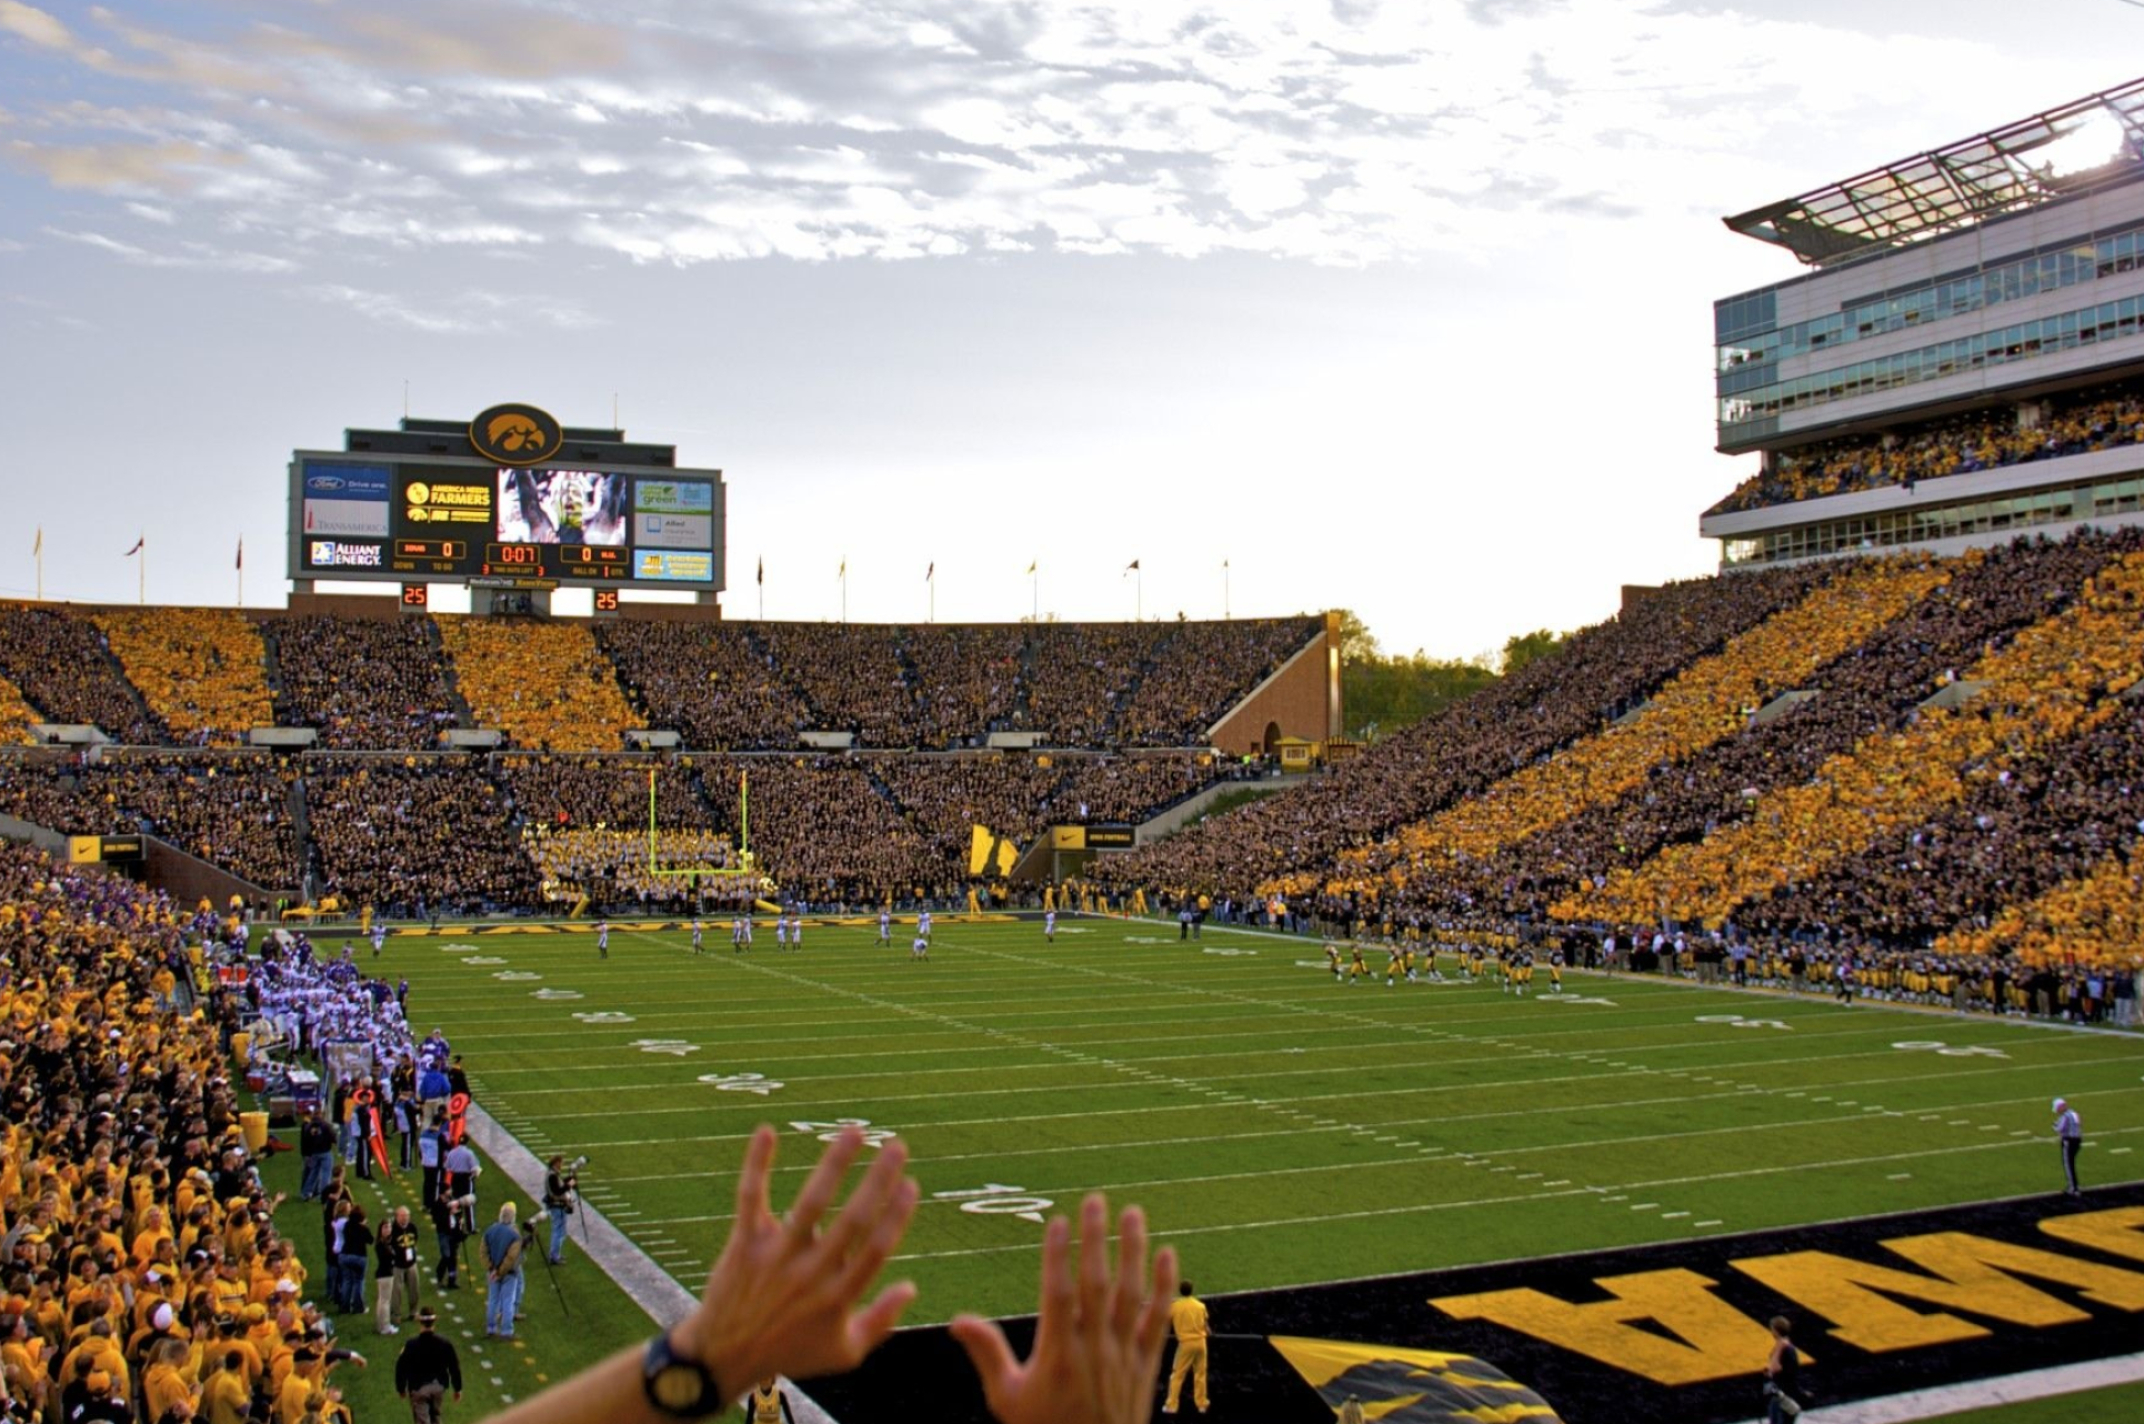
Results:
1229 950
522 976
555 994
1575 999
997 1199
1919 1045
830 1131
740 1083
675 1047
1737 1021
603 1016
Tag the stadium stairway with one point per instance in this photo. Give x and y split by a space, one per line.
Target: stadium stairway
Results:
464 715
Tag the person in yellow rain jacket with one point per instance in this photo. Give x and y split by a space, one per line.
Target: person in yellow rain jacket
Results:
1187 1318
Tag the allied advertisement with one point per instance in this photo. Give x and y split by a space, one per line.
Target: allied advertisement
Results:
345 500
673 514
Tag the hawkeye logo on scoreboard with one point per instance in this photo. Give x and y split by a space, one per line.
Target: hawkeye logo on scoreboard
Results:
516 434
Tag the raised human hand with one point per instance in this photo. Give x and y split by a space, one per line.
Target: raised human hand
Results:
1098 1337
782 1297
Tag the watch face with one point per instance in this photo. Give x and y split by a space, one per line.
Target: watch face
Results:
676 1387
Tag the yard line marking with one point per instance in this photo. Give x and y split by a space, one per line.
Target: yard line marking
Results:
1899 1176
1645 1206
1701 1225
1673 1215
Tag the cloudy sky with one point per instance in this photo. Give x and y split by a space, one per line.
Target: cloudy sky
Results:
1403 307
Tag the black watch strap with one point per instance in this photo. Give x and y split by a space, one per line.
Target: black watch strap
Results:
678 1387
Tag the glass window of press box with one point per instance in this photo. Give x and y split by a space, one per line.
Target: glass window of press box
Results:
2109 321
2098 499
1745 339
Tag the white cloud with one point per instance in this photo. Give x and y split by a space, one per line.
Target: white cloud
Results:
685 133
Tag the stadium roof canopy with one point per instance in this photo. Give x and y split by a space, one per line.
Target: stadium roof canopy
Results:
1962 183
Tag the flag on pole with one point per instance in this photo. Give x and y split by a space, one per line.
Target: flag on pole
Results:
38 548
1031 567
844 572
761 576
138 543
931 572
241 564
1132 567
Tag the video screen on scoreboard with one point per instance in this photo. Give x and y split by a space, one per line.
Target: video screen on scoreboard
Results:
546 506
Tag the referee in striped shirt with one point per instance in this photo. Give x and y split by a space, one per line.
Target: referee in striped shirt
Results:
2069 1135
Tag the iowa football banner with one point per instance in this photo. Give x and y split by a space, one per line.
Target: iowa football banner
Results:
1885 1307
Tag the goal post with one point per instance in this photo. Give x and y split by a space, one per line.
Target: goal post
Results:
744 869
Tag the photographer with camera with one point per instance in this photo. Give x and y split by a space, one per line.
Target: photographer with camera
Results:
561 1183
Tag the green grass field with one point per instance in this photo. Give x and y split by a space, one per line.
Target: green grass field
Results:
1279 1128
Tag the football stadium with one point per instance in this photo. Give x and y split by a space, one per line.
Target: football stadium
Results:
1770 950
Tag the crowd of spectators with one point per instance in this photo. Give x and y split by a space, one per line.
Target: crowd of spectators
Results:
602 792
2070 424
202 670
366 684
850 676
1706 703
17 717
1199 671
1872 688
708 681
142 1256
542 682
967 680
232 810
946 796
2097 918
415 836
1079 672
616 869
1600 674
825 829
2056 679
1129 788
62 666
1957 872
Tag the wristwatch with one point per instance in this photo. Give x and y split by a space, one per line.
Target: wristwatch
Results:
678 1387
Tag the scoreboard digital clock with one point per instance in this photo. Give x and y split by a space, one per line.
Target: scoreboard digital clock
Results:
415 519
560 561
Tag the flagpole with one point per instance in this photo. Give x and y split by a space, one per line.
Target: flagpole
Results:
241 572
762 581
930 581
1138 595
38 551
844 591
143 591
1034 585
1224 590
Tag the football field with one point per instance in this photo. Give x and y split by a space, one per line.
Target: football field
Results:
1280 1128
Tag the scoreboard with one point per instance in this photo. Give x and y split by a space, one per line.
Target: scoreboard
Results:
393 517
